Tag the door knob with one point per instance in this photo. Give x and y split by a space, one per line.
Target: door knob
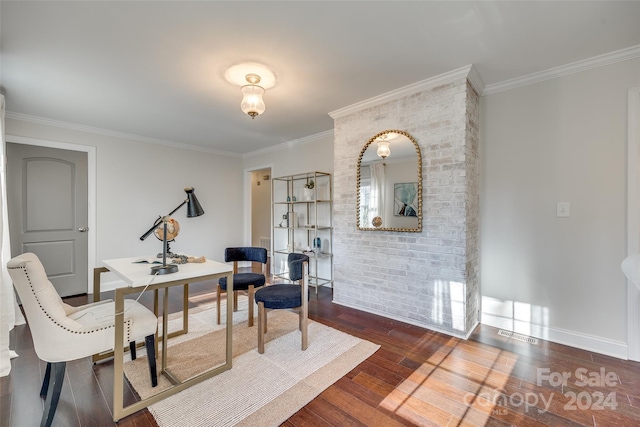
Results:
83 229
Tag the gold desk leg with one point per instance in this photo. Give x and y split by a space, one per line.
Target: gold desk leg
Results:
118 411
96 297
230 298
304 308
96 282
155 311
118 359
185 312
185 308
165 321
165 336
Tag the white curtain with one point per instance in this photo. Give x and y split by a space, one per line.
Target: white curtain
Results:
8 305
377 191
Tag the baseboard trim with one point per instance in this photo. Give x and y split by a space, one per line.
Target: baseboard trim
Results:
575 339
463 336
111 285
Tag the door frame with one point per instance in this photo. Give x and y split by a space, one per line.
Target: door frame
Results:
247 201
91 190
633 219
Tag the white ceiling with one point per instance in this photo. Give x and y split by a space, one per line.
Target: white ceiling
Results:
156 68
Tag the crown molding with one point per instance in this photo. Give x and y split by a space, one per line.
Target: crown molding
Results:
563 70
110 133
430 83
289 144
475 79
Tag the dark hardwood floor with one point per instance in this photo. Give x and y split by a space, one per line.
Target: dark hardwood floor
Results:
417 377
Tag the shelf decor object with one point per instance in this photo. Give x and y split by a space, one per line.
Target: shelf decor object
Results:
303 223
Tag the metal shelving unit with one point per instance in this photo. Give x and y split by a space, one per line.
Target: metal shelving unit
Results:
303 223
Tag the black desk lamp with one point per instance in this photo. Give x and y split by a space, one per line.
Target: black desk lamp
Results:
193 209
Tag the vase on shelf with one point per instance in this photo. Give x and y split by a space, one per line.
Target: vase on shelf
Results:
308 193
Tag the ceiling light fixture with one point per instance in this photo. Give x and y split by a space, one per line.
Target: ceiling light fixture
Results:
383 147
252 102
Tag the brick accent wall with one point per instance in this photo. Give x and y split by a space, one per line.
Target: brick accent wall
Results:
429 278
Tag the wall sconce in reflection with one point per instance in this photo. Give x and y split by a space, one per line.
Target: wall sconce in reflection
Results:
383 147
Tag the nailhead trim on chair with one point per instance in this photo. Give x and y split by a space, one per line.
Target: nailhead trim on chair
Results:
51 318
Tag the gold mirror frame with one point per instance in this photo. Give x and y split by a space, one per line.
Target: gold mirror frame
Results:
419 164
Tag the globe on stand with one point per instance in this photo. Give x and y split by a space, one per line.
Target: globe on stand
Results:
173 229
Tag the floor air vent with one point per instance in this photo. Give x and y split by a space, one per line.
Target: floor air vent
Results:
519 337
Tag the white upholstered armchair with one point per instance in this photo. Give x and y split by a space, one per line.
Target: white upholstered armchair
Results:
63 333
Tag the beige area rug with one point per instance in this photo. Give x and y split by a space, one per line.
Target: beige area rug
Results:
260 389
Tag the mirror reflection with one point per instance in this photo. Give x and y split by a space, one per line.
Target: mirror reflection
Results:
390 183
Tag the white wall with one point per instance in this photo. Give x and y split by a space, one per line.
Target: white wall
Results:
315 153
138 181
559 140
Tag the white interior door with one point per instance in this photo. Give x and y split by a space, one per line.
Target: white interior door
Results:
47 192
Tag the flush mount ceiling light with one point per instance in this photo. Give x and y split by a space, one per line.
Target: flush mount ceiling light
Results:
253 78
383 147
252 102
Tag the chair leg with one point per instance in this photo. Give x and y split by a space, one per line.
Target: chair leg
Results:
250 291
304 310
304 328
235 300
149 342
53 396
218 295
45 381
261 327
132 349
299 310
264 319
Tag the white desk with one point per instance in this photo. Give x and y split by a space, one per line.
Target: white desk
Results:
137 277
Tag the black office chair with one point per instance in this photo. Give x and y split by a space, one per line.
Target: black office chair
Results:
243 281
286 296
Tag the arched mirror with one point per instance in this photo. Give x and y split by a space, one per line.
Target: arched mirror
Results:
390 183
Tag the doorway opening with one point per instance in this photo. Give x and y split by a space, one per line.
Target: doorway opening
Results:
259 208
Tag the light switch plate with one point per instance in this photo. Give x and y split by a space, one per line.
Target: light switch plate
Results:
563 210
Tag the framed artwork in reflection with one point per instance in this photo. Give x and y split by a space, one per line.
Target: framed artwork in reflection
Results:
405 201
